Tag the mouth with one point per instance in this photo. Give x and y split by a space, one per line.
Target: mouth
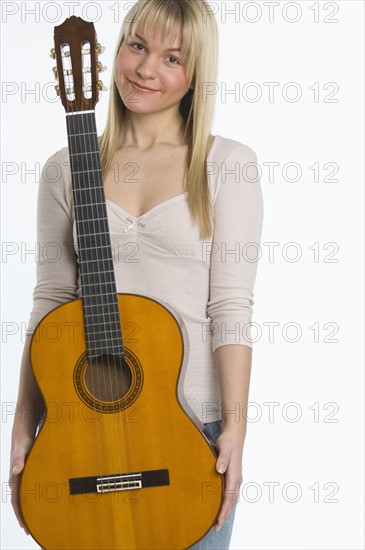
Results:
140 87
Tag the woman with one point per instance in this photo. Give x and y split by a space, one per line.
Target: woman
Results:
190 206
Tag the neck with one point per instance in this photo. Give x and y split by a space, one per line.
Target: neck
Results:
143 131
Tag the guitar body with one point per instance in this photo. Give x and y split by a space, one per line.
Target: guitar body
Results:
132 426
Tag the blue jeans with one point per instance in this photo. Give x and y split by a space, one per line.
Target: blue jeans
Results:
216 540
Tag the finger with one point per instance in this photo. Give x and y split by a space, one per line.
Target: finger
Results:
18 467
15 504
223 458
18 461
230 498
14 489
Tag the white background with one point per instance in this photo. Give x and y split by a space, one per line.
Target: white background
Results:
312 439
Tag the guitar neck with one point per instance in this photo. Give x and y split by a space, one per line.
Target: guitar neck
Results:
99 296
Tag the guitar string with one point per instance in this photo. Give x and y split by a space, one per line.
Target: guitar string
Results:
116 358
79 138
110 310
94 307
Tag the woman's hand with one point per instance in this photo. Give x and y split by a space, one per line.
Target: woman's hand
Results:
229 462
17 460
234 369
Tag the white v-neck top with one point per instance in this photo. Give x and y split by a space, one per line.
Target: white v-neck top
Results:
209 284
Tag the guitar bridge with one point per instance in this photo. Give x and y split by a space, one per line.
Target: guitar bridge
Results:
125 481
109 484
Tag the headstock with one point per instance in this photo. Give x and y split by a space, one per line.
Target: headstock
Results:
76 52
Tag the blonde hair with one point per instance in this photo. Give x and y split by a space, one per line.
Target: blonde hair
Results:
199 49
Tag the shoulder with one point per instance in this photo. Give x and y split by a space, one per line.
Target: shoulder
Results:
223 148
56 169
56 179
58 161
229 162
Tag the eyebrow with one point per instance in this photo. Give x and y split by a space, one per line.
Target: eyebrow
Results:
167 49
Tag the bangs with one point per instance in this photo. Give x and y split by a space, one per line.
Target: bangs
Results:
164 18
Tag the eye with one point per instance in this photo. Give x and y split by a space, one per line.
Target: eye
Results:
132 44
177 61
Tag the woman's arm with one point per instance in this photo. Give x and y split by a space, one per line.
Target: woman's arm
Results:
234 371
238 221
56 284
28 413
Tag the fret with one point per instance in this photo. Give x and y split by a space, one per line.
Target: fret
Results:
92 194
102 288
85 171
100 285
98 295
104 327
96 341
101 239
83 182
86 153
93 234
81 248
89 204
101 320
101 309
82 134
91 220
97 236
84 162
110 332
92 273
92 154
106 341
95 255
92 224
86 189
87 273
82 144
107 274
96 319
107 335
82 165
97 260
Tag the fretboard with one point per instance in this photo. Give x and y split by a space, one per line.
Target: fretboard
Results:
99 295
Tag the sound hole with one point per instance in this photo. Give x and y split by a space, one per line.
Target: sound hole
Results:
108 377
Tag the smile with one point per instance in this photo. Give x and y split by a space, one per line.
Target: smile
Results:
141 88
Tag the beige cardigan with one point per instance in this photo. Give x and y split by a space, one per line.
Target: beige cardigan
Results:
159 254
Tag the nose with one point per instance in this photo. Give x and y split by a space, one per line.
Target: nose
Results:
147 67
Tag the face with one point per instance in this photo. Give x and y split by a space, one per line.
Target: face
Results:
155 64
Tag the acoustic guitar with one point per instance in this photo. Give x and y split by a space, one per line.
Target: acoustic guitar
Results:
122 465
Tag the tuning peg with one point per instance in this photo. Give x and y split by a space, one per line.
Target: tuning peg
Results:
100 68
55 72
101 86
99 48
53 53
57 88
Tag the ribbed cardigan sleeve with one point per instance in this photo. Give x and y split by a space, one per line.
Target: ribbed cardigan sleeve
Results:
57 270
238 221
